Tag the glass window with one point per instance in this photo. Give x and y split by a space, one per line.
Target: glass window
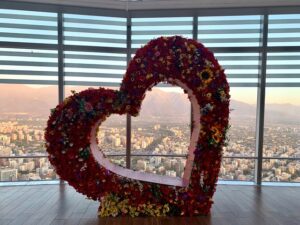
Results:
118 160
242 70
278 170
112 135
163 125
26 169
237 169
242 122
29 89
282 107
282 122
24 111
167 166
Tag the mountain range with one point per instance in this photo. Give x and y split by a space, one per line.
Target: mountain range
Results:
22 99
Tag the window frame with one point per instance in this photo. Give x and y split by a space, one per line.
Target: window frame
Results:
263 49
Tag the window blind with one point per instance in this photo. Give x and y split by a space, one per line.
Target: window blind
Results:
284 30
230 31
28 66
98 31
145 29
94 68
28 26
236 33
283 69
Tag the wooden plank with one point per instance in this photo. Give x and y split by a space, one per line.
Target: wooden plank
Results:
61 204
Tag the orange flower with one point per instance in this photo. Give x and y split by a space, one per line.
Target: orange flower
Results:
217 134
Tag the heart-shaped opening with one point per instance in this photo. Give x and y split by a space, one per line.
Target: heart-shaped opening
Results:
149 177
163 124
161 134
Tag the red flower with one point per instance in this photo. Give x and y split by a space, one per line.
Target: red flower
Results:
88 107
174 57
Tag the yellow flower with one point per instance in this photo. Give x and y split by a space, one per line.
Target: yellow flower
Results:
111 205
149 75
66 100
208 95
206 75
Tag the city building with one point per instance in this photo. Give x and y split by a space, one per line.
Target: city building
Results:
8 175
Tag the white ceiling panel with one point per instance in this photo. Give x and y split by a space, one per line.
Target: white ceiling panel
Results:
167 4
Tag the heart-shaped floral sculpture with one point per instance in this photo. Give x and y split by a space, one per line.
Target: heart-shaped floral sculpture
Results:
72 145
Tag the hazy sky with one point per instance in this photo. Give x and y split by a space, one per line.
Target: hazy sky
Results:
274 95
243 94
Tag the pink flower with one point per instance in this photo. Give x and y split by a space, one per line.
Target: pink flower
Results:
70 113
88 107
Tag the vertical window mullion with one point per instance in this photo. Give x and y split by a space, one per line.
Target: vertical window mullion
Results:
128 117
61 93
61 88
195 37
195 26
261 102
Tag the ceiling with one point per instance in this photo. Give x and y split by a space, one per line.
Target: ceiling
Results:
167 4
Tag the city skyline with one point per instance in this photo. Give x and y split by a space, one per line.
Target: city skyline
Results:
152 133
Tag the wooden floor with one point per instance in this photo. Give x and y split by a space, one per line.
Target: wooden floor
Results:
234 205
